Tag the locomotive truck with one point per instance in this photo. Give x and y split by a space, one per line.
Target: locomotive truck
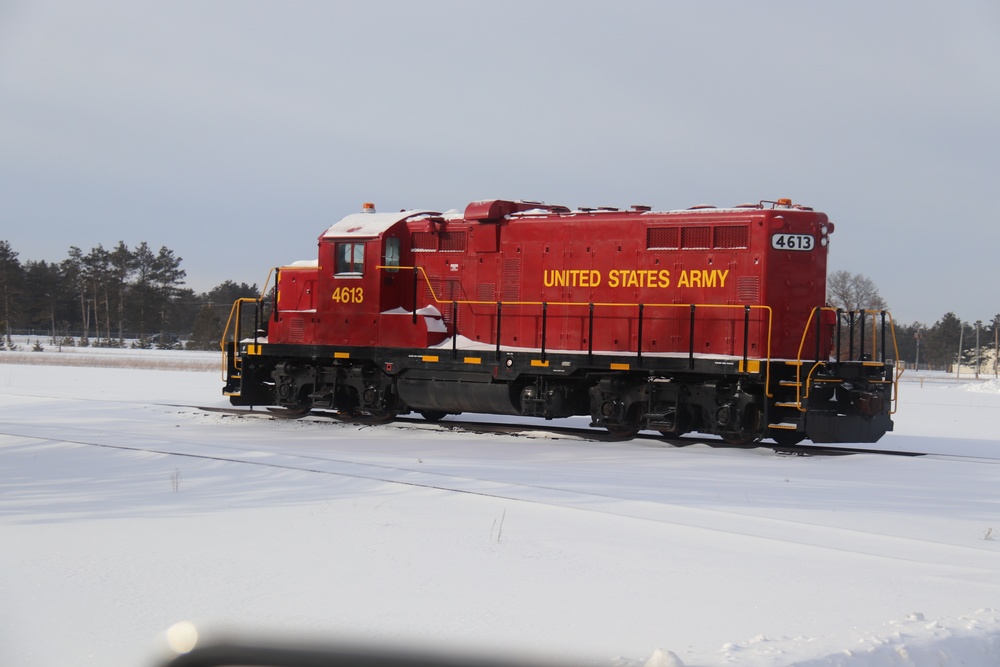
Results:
708 320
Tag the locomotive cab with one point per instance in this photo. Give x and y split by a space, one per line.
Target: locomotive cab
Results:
366 298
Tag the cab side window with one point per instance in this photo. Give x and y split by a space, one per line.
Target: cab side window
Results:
392 254
350 258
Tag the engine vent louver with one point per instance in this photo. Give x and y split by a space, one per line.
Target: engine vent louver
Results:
748 289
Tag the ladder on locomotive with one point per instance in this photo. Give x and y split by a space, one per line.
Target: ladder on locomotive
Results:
232 360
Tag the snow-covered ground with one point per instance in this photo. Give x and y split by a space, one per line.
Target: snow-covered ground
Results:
123 511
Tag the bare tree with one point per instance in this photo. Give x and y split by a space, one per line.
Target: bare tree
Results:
853 291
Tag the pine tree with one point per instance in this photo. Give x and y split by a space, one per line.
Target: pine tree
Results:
121 265
167 278
207 330
74 273
11 275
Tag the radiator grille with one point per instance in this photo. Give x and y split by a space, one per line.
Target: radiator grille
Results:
424 241
696 237
731 237
452 241
663 238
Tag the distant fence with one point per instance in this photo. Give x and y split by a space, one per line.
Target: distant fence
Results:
43 334
134 359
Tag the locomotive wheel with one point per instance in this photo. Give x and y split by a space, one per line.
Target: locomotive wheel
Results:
433 416
629 427
748 432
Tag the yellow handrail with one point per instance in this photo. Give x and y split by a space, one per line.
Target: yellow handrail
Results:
768 309
234 321
800 396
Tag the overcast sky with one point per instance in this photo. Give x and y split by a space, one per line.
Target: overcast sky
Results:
234 133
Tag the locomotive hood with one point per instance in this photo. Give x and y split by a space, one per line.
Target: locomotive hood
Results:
369 225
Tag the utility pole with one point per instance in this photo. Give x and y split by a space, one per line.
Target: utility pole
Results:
979 323
958 364
996 343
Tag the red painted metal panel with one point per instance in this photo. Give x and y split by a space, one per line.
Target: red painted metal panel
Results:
546 265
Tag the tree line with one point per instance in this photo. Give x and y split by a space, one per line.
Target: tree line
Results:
940 346
107 297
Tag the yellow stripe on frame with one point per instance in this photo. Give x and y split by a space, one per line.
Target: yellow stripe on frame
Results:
620 367
341 355
540 363
253 350
473 360
429 357
752 366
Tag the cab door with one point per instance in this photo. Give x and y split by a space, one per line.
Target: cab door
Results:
350 290
390 281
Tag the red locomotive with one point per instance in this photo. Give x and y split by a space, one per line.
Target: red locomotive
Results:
708 319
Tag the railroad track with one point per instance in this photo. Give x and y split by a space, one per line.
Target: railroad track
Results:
549 431
553 430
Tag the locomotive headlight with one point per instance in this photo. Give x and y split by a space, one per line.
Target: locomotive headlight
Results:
824 230
824 241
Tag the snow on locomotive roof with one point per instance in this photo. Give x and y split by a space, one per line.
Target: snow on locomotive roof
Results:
706 209
541 212
368 225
